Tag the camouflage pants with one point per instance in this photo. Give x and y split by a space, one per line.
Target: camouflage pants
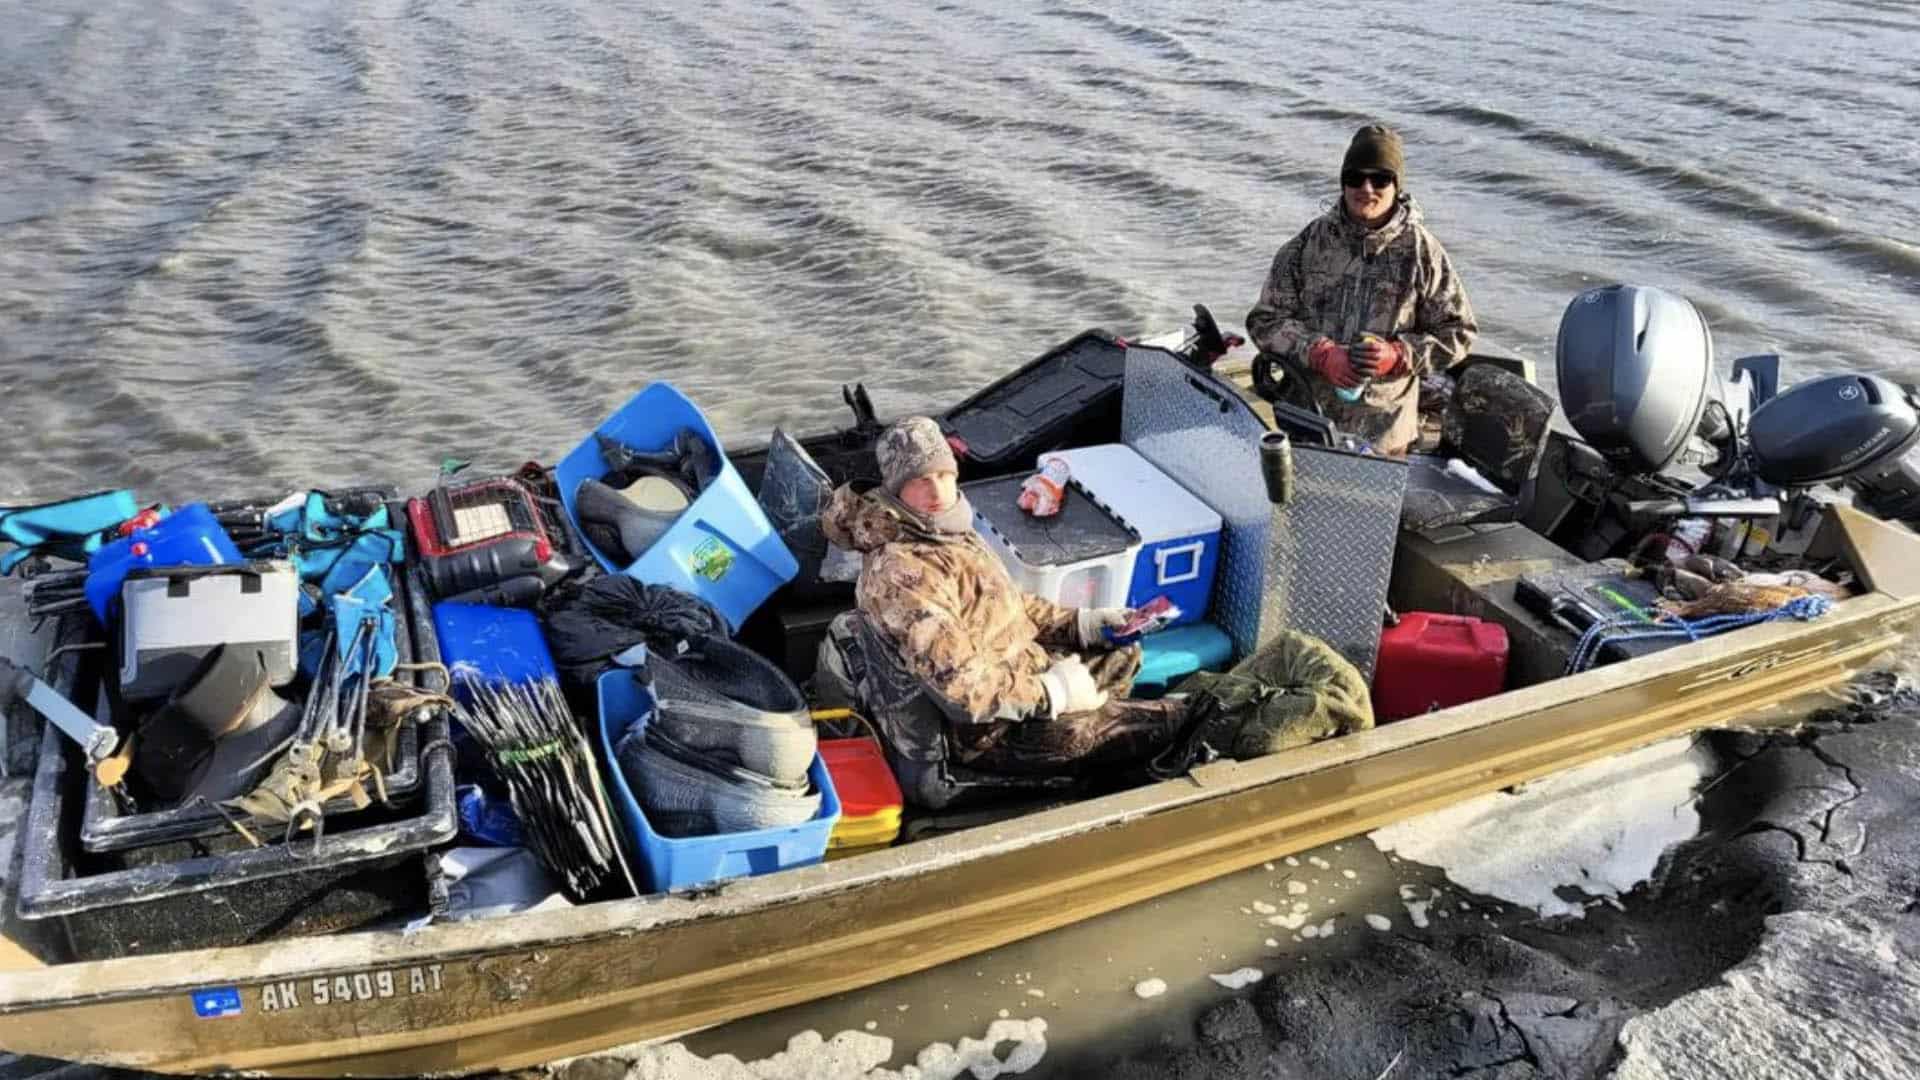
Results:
1123 732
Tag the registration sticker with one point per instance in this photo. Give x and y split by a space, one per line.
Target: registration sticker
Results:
712 560
216 1003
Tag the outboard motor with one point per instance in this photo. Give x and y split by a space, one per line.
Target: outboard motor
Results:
1635 370
1859 431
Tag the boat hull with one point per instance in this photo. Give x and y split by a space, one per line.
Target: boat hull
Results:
527 989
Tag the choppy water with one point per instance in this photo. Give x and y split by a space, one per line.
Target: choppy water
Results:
260 244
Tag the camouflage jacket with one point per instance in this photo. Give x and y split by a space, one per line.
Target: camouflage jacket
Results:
1339 279
945 601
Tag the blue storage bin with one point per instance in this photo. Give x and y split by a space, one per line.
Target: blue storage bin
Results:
682 863
722 548
501 644
1179 534
190 536
1171 655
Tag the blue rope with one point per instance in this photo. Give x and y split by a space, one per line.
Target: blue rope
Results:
1634 626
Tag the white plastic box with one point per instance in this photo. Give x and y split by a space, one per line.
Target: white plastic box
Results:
1179 535
172 617
1083 557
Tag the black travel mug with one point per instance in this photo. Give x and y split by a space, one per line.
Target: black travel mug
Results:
1276 466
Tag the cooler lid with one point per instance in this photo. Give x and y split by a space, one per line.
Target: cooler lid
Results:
1082 529
1152 503
861 777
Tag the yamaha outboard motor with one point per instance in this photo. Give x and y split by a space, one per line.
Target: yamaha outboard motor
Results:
1635 370
1860 431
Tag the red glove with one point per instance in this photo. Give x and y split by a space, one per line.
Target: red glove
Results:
1331 361
1383 358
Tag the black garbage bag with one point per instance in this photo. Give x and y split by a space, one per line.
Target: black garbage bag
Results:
589 625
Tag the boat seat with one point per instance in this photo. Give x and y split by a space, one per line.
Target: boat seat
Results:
859 664
1496 422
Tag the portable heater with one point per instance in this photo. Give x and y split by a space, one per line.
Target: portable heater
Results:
486 541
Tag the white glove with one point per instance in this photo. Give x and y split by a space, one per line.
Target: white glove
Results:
1070 688
1091 621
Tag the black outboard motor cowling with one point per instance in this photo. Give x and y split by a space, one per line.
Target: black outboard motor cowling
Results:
1828 428
1858 429
1634 366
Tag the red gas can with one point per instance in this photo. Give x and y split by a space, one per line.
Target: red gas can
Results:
1430 661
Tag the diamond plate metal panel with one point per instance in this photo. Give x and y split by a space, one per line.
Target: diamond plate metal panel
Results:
1320 566
1330 552
1199 432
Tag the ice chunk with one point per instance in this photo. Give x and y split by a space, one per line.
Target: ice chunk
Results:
1239 979
1380 923
1264 908
1149 988
1600 828
1296 888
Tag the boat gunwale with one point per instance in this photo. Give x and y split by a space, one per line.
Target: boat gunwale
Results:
58 985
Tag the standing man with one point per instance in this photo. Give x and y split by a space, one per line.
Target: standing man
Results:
1366 300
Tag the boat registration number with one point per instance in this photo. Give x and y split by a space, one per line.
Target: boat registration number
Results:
344 989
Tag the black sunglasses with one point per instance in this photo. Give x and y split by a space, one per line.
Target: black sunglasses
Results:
1355 177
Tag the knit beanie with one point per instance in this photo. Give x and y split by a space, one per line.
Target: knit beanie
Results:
913 447
1376 149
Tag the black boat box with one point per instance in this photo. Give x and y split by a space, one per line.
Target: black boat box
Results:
1070 396
365 868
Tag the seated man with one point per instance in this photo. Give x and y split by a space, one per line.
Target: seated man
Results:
1038 685
1365 301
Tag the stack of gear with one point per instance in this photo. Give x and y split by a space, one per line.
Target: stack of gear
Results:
656 499
619 520
729 746
343 738
535 746
487 541
198 616
870 798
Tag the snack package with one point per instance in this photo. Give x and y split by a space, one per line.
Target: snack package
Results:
1045 490
1155 614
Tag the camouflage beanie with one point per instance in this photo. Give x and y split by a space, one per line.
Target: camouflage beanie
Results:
1375 148
913 447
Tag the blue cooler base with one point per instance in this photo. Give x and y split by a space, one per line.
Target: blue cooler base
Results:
684 862
1187 567
1172 655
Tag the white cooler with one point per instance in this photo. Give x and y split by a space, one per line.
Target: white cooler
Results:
1081 557
1179 535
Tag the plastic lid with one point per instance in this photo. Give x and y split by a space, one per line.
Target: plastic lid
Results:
860 776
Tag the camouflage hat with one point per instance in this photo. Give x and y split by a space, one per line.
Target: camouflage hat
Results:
1375 148
913 447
